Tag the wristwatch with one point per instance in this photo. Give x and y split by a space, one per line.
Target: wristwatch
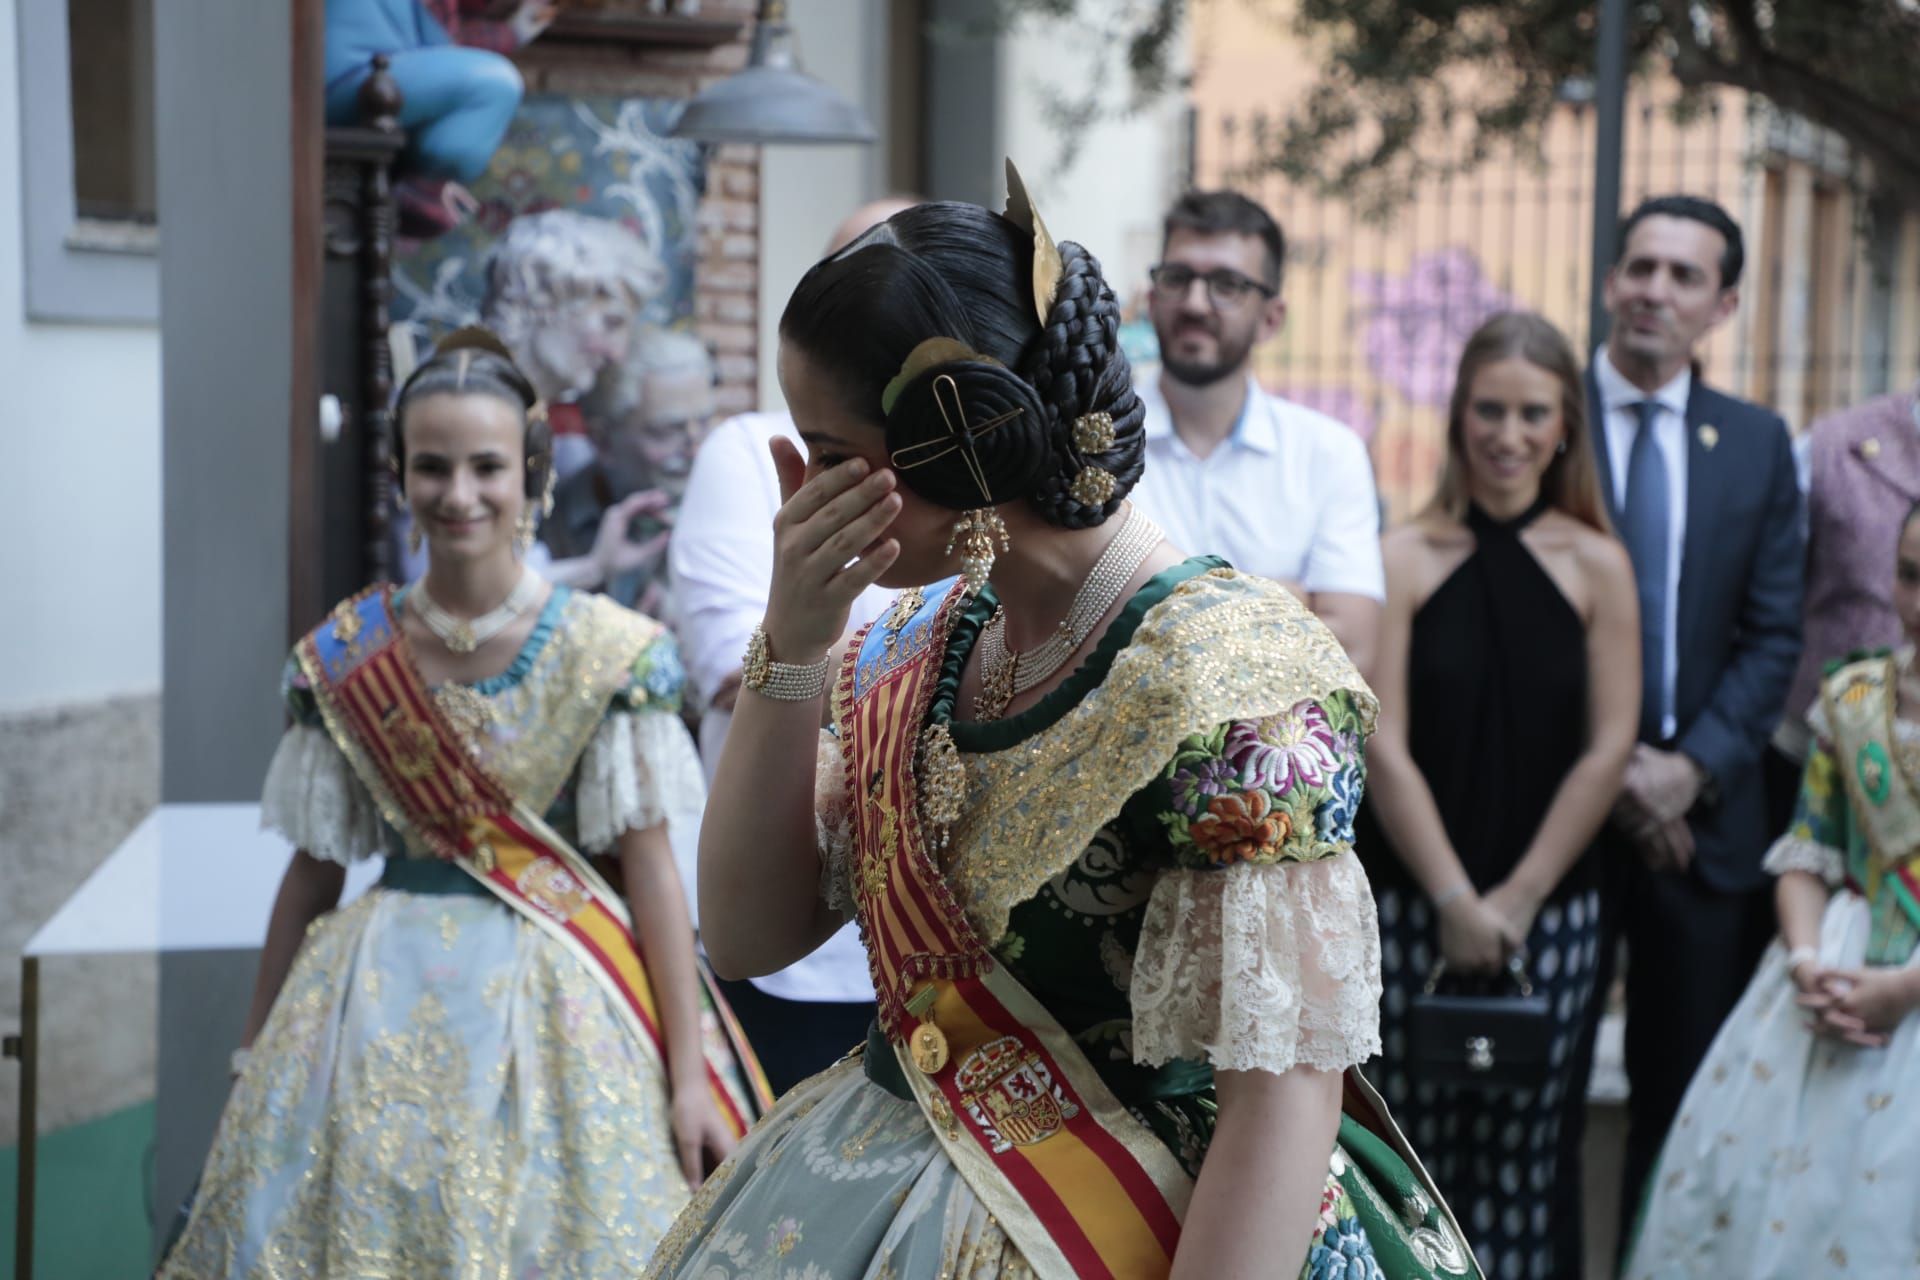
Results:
781 681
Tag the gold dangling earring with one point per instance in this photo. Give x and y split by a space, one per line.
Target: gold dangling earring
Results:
975 533
414 538
525 528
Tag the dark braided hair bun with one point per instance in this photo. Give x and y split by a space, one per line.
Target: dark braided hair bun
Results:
958 272
1001 417
1078 370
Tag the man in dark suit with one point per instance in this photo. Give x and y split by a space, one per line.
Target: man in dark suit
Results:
1703 492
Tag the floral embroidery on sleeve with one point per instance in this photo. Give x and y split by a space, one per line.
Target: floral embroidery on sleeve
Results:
658 680
1283 788
1820 812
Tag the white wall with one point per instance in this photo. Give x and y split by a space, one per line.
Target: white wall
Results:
79 478
805 191
1123 172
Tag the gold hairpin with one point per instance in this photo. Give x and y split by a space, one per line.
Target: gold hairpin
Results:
1093 432
961 435
1092 487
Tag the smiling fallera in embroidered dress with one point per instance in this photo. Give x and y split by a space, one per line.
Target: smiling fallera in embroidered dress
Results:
442 1088
1158 858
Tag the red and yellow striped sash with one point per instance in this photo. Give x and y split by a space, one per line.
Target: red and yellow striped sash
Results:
1078 1183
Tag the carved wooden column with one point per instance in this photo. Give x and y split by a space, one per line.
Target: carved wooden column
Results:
380 108
356 472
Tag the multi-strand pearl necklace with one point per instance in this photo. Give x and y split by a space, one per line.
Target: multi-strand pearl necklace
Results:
1005 674
464 635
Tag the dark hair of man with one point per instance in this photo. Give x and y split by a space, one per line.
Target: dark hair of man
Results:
1215 213
471 370
957 271
1695 209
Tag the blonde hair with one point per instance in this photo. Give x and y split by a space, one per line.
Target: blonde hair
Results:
1571 482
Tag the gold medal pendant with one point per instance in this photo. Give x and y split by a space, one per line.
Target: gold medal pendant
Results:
927 1046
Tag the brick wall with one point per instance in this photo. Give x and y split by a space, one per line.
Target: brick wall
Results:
727 281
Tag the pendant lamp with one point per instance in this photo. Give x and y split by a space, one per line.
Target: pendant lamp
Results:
772 100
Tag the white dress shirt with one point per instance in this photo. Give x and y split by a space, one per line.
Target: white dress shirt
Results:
721 556
1288 495
1618 397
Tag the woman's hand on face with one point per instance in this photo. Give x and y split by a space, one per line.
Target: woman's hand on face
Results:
827 549
1474 936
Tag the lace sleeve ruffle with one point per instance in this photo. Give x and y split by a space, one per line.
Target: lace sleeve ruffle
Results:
639 770
312 798
1793 852
1260 967
833 821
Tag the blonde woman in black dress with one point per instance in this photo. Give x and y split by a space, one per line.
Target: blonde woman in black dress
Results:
1509 685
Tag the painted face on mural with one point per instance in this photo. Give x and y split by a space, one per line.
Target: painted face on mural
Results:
653 447
1665 294
584 335
465 478
1203 340
1511 431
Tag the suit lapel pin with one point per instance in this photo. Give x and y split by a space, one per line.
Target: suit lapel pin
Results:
1709 436
1870 448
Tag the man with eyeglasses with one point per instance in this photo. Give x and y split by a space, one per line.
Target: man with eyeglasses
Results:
1276 488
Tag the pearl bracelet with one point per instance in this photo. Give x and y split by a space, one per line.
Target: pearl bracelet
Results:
1800 955
1460 890
781 681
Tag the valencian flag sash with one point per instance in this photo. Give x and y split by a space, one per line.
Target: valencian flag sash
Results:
1860 701
386 721
1077 1182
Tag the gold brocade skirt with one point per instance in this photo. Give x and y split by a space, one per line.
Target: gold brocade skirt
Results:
440 1091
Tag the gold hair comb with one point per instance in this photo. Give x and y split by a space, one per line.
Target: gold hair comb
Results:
1047 268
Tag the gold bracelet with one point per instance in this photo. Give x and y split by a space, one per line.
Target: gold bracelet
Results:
781 681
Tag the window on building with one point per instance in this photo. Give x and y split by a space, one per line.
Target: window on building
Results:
87 160
110 95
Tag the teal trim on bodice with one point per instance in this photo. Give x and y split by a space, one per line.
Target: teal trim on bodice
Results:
431 877
530 650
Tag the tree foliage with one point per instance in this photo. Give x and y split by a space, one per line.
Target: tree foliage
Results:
1411 88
